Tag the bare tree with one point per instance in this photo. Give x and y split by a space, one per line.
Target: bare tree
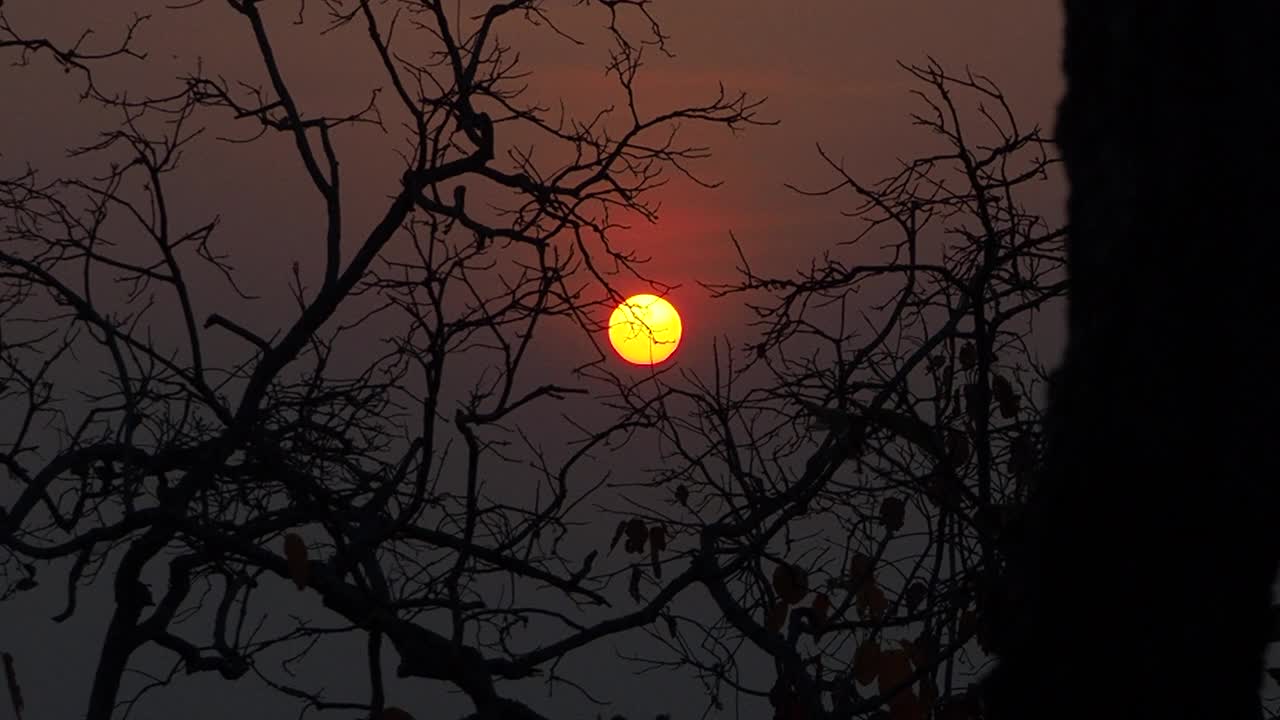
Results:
213 457
844 486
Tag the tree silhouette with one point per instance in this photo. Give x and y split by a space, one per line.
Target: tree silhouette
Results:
844 486
851 516
212 455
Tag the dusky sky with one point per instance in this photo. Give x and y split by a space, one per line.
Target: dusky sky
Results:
827 67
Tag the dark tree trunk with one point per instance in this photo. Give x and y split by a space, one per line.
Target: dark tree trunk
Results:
1143 585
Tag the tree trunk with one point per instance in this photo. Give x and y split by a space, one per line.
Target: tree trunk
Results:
1143 585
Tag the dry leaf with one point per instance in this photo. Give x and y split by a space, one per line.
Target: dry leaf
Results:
15 691
617 534
968 356
866 662
893 513
1009 407
657 538
637 533
295 552
914 595
634 585
790 582
782 579
895 669
1022 455
1001 388
871 601
860 567
657 542
821 606
906 706
682 494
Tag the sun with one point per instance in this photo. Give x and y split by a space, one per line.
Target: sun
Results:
645 329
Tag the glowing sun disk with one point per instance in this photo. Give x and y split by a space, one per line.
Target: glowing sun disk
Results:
645 329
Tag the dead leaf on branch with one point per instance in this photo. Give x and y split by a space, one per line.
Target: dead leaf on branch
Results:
1004 394
871 601
893 513
860 567
968 355
895 669
637 533
866 662
790 582
821 606
634 585
915 594
1009 409
617 534
658 537
295 552
1022 455
776 618
657 543
15 691
1001 388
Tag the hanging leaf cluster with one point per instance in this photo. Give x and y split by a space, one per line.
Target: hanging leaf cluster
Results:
869 598
15 691
637 534
893 671
1005 397
791 583
893 512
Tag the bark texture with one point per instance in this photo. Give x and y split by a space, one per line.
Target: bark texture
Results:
1143 585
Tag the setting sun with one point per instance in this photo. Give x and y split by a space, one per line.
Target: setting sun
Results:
645 329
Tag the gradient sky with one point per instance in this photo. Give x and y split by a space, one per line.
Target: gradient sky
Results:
826 66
